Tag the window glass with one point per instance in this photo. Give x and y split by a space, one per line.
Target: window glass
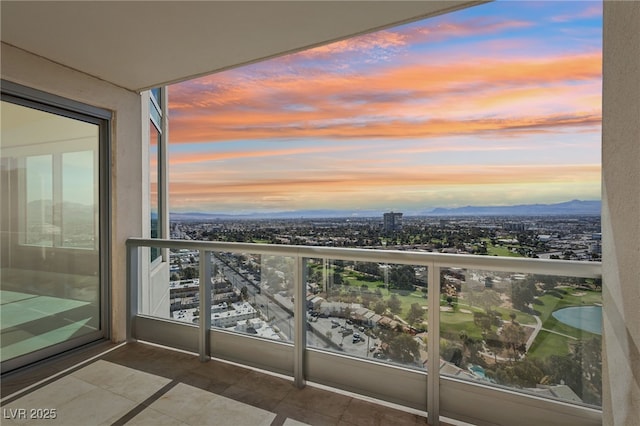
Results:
79 228
40 228
154 139
49 250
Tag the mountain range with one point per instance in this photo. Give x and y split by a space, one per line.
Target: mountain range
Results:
573 207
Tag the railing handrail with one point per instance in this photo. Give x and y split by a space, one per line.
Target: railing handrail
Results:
579 269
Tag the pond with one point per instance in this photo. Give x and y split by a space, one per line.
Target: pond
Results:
587 318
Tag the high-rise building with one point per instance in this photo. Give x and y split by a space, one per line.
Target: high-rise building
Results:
392 221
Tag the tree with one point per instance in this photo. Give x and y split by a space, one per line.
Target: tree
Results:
451 353
337 278
488 299
528 373
403 277
190 273
404 348
416 314
494 343
483 320
513 336
522 294
394 304
564 369
379 307
588 355
548 282
244 293
368 268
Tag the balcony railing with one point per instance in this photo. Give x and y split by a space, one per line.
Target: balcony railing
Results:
516 341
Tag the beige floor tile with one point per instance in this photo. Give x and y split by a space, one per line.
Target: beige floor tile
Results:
181 401
151 417
97 407
130 383
51 396
19 380
223 411
102 373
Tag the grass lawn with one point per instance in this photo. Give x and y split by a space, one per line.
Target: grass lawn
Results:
407 298
452 323
357 279
547 343
501 251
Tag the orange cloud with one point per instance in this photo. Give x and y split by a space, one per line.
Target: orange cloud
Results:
202 157
431 176
392 102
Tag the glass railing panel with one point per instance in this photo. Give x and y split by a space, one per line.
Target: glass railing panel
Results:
253 294
173 295
368 310
539 334
250 293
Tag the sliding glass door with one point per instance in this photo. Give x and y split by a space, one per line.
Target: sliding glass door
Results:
52 252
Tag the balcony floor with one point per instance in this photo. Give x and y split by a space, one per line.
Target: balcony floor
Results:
139 384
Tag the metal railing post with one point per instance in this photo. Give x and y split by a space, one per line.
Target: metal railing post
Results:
433 347
299 316
133 284
204 323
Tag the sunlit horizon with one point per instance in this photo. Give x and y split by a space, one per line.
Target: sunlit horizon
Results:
499 104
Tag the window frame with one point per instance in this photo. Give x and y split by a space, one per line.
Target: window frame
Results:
32 98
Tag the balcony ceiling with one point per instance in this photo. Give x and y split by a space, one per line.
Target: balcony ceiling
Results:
142 44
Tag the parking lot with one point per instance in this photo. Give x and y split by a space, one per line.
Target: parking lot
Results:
344 335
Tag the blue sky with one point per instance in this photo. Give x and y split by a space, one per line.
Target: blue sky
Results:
497 104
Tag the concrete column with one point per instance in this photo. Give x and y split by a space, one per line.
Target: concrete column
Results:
621 213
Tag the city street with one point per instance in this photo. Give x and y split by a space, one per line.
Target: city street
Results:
282 319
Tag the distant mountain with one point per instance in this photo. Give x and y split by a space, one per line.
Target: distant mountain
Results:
573 207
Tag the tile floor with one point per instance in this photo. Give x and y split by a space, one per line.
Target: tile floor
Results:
139 384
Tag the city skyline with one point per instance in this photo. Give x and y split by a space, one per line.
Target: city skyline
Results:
486 106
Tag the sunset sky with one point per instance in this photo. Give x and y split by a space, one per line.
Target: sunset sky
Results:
494 105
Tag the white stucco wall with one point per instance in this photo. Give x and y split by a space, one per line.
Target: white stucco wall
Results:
621 213
127 174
